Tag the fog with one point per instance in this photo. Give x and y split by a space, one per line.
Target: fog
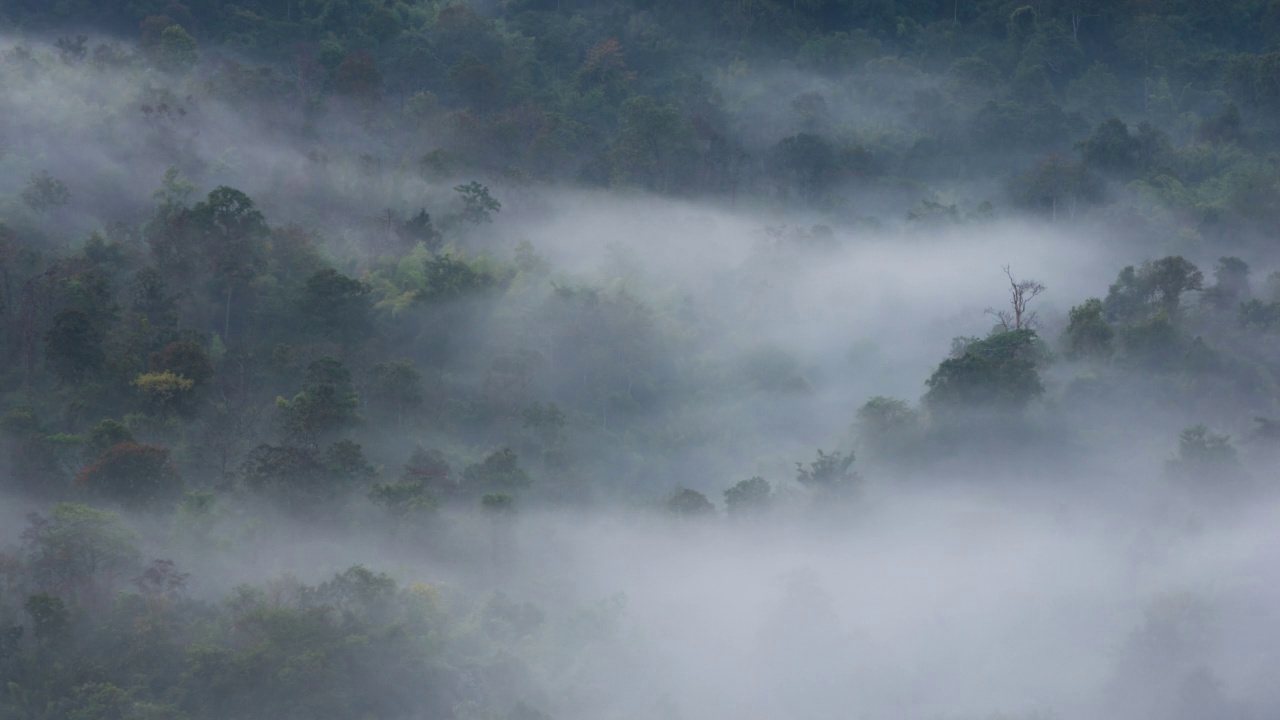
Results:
1045 566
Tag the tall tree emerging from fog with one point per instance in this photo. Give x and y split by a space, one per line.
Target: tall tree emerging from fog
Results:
232 230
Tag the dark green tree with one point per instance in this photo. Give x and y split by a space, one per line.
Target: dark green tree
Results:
1088 335
996 374
325 406
478 206
73 346
500 471
228 232
45 192
79 551
688 503
748 497
337 305
829 474
1111 149
1204 456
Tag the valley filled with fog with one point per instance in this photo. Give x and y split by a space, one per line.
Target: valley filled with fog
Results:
534 360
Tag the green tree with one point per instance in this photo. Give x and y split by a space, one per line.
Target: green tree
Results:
748 497
186 358
1111 149
45 192
337 305
325 406
1154 343
498 504
887 427
424 482
500 471
1169 279
478 206
806 162
164 391
50 618
996 374
398 387
73 346
229 233
358 78
176 51
1088 335
1204 456
106 434
1231 285
690 504
829 474
447 278
79 551
655 148
133 475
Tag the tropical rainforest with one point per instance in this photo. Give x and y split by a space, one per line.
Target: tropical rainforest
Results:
554 359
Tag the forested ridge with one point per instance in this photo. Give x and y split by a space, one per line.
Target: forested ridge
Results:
357 353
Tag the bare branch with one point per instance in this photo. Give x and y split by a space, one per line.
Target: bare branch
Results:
1021 293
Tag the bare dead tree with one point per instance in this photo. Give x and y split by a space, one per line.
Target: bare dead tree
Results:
1021 293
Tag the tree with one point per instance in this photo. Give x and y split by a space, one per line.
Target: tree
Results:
1088 336
748 497
49 617
45 192
398 385
78 551
886 426
655 149
326 405
498 504
418 229
1204 456
303 480
176 51
73 346
162 579
829 474
107 434
164 390
1112 149
1231 284
447 278
228 231
478 206
1157 286
996 374
1154 343
806 162
1021 293
133 475
186 358
424 482
1056 184
500 471
1128 297
287 473
338 305
358 78
688 503
1169 278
